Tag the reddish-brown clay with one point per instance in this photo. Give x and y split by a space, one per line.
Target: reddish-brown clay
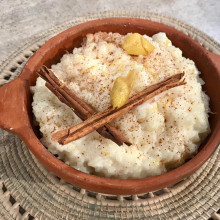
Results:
16 116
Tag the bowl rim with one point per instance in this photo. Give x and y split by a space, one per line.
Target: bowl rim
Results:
88 181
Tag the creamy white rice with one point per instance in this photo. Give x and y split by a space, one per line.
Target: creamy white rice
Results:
164 130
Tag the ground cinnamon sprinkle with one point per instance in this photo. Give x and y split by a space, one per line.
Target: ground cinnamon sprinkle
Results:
161 132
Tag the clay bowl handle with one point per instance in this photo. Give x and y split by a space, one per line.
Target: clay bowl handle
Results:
13 110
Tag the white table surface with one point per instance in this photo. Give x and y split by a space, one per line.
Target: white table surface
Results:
21 19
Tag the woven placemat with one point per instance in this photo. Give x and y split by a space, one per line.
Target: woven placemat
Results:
29 191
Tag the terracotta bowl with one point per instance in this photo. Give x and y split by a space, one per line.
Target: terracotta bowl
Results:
16 112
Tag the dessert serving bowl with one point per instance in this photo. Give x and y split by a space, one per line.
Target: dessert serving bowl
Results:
16 110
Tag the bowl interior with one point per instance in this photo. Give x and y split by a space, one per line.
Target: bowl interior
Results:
55 48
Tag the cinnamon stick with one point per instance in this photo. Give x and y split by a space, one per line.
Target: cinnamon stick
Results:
80 108
100 119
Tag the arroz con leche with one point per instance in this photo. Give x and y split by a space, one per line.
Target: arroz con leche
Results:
164 131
